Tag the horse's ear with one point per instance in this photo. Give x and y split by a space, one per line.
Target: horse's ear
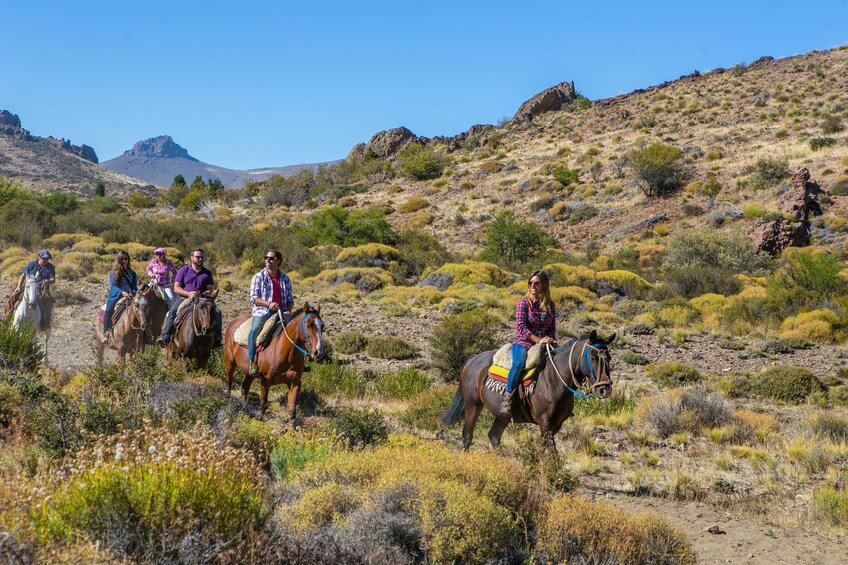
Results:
611 338
317 308
593 337
306 307
215 294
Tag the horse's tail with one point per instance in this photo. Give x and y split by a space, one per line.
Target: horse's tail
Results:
455 410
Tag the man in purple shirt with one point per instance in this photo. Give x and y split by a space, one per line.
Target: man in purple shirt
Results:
191 281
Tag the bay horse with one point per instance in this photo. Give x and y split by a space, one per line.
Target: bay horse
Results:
158 310
34 310
282 361
128 331
194 336
583 360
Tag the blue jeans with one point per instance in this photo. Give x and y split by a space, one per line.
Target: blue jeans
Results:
107 314
519 356
255 325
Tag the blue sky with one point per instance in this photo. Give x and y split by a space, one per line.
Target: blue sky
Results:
252 84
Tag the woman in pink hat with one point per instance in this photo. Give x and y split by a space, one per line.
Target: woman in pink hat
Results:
161 272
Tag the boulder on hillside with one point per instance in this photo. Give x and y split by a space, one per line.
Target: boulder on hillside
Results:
357 152
474 137
10 125
803 199
553 98
387 143
797 205
775 236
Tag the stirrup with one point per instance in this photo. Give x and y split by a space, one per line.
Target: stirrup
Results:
253 370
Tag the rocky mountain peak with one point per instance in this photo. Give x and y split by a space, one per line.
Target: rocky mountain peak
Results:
162 146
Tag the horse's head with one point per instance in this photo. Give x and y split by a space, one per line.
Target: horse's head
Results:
203 316
140 311
595 364
32 292
311 326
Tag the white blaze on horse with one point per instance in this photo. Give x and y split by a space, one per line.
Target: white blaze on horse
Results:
35 310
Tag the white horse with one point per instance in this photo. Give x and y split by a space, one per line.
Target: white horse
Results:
30 312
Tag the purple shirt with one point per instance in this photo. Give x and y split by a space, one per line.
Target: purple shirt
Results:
190 280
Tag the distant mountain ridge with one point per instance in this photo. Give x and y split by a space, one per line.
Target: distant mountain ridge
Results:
159 159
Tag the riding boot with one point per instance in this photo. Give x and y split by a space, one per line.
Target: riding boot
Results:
506 405
253 370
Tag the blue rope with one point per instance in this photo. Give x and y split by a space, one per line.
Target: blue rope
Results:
303 327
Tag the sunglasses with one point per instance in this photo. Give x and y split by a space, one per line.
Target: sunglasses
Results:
271 258
199 257
535 283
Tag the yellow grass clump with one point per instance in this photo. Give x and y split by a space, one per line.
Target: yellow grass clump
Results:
816 325
649 253
137 251
363 255
364 279
571 275
65 240
475 272
761 425
576 529
90 245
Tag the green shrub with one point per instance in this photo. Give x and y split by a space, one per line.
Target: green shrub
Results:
566 176
615 404
805 281
832 505
786 384
420 162
293 451
349 228
830 426
334 379
390 347
831 124
401 384
413 205
512 243
766 173
817 143
25 222
680 410
673 374
458 337
11 412
20 348
418 250
350 342
658 168
360 428
633 358
581 214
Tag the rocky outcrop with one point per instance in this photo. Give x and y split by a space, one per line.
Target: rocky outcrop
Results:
386 144
793 229
162 146
553 98
474 137
10 125
83 151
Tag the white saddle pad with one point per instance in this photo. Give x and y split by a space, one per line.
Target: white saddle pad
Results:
503 357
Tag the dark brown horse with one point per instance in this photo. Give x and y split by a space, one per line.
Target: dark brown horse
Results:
194 337
128 332
584 360
282 361
158 311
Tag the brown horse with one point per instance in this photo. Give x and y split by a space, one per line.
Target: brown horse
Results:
582 360
158 311
128 332
282 360
194 337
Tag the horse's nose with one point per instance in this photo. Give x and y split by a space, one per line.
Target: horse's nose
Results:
604 392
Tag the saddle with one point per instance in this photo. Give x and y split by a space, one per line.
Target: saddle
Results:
497 373
270 329
120 308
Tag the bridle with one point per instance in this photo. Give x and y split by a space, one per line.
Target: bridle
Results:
135 309
599 379
194 318
302 328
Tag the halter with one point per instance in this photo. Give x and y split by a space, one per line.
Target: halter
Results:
302 328
194 322
133 306
585 360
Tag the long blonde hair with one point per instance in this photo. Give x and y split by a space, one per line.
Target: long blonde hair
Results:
116 269
545 301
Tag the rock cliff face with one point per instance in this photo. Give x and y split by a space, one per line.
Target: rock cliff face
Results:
553 98
10 126
162 146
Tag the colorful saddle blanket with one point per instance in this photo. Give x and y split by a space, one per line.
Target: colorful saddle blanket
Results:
120 307
496 380
269 330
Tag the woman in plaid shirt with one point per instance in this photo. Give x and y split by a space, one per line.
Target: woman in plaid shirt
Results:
161 271
535 322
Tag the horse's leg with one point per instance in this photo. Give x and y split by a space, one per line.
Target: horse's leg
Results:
229 369
245 386
548 442
497 431
264 387
294 390
472 412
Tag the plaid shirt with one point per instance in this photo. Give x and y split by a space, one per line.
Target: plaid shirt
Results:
159 273
260 287
530 320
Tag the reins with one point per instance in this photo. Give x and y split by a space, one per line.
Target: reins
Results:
585 360
301 327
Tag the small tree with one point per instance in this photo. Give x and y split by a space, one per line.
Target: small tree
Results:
512 243
179 180
458 337
658 168
100 190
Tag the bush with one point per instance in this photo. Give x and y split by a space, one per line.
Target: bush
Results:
360 428
673 374
633 358
20 349
347 228
832 505
424 411
292 452
334 379
420 162
50 418
401 384
573 529
831 124
350 342
767 173
820 142
566 176
390 347
458 337
512 243
413 205
658 167
680 410
804 281
785 384
25 223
